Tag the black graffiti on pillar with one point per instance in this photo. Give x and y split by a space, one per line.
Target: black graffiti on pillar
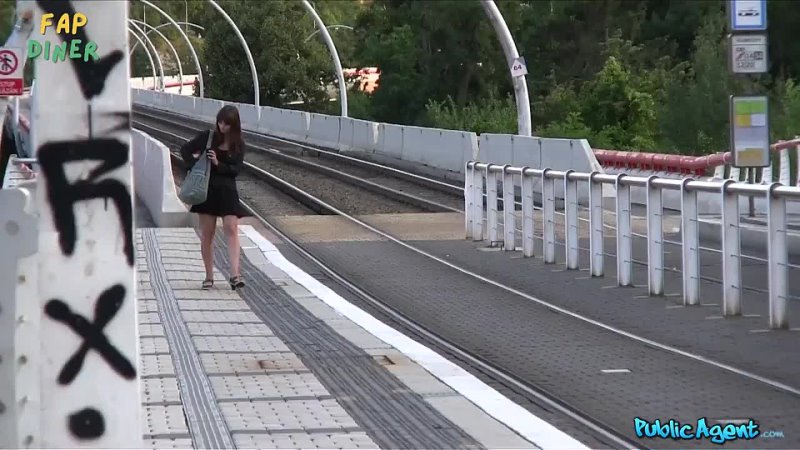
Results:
92 74
87 423
63 195
107 306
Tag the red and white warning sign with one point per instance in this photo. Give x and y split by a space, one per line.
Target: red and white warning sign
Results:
11 64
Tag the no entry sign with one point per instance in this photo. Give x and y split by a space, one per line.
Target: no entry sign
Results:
11 64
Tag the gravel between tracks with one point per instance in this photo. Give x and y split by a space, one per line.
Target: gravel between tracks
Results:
373 175
351 199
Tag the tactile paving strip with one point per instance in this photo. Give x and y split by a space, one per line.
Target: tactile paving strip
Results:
212 305
228 329
204 417
239 344
151 330
163 421
153 346
220 316
272 387
160 391
305 440
290 415
375 398
224 363
149 318
159 444
156 365
147 306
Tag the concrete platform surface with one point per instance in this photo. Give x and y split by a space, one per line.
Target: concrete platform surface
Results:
288 363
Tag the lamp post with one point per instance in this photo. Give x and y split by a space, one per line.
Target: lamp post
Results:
334 54
512 56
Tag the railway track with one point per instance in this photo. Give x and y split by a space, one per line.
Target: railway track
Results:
339 179
593 431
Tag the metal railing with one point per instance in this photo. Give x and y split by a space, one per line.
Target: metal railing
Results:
482 223
18 170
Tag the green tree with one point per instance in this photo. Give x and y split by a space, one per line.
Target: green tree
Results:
289 69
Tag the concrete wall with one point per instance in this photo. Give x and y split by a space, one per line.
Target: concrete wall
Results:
427 150
153 181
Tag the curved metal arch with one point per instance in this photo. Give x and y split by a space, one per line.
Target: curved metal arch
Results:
328 27
168 24
511 53
155 51
149 56
188 42
174 52
334 54
253 72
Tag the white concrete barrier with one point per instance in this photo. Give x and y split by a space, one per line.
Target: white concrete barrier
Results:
365 135
442 149
153 181
249 115
183 104
210 108
390 140
323 130
284 123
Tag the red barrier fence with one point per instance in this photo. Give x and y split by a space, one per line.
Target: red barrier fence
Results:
658 162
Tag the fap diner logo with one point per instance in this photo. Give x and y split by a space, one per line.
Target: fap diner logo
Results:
69 24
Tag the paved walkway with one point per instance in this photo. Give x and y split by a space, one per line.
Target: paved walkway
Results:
277 366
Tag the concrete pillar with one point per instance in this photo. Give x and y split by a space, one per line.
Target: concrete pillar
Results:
89 344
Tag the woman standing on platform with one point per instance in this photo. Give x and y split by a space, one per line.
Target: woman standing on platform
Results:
227 156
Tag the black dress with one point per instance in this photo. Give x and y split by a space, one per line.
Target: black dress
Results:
223 197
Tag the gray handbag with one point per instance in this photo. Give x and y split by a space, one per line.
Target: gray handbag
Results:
194 189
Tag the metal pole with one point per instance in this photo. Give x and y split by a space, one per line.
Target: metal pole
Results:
188 24
186 38
149 56
510 51
155 51
174 52
334 54
334 27
253 72
750 199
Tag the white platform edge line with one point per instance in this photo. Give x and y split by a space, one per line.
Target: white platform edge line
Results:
512 415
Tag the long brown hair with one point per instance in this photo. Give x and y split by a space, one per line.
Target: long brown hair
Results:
229 115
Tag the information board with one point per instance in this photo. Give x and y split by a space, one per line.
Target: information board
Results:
748 15
749 53
750 131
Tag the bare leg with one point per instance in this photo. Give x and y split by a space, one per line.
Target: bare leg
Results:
231 227
208 225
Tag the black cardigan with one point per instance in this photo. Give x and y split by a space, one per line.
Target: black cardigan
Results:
230 163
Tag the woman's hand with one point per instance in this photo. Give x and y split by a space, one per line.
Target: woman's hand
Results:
213 157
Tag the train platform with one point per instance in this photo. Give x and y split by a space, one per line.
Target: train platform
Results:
287 363
613 353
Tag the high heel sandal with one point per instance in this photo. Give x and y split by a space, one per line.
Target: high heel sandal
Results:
208 284
236 283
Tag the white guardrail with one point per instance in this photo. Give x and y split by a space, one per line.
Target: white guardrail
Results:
484 222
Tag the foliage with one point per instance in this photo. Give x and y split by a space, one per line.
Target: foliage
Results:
489 115
649 75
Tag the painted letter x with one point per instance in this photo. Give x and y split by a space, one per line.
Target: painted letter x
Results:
92 333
